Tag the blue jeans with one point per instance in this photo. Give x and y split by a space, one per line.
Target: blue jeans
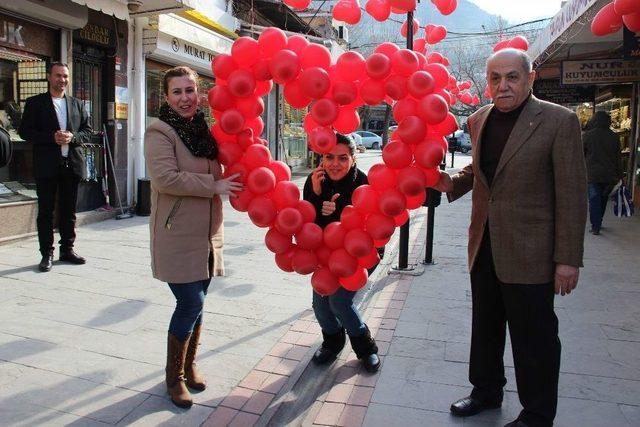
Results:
338 311
189 305
598 196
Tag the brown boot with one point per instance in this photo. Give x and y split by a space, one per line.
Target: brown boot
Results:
191 373
176 353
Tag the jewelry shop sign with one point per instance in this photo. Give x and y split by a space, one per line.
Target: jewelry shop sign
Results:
600 71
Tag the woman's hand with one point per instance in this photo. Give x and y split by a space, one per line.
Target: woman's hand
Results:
229 186
317 176
330 207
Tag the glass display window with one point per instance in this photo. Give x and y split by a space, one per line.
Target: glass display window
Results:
294 137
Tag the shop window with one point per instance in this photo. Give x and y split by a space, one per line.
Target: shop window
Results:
20 79
294 137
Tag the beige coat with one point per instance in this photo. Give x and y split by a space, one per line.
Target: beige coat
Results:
186 215
537 205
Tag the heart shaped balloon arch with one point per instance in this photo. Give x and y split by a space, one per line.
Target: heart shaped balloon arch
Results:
417 88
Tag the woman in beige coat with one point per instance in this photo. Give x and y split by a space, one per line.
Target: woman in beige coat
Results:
186 220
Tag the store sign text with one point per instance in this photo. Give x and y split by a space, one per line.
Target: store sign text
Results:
11 33
96 34
198 53
600 72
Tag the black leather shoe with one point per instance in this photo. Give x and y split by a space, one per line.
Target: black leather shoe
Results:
46 263
332 345
471 406
323 356
72 257
371 363
517 423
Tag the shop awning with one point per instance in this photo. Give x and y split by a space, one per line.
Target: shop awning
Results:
125 9
109 7
12 55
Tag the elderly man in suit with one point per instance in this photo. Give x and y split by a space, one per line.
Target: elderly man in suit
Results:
526 237
57 126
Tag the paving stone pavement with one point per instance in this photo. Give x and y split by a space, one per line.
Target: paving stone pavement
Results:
85 345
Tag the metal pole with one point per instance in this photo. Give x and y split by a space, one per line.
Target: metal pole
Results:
433 201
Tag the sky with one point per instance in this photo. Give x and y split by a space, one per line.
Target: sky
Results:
517 11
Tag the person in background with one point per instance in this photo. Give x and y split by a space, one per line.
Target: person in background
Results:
57 125
526 238
329 188
186 221
604 165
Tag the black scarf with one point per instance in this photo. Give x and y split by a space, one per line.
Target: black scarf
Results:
194 133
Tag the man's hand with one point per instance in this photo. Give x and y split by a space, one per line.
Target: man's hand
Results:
317 176
63 137
445 184
566 278
330 207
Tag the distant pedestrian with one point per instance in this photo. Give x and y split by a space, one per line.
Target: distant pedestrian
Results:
329 189
604 165
186 220
525 239
57 126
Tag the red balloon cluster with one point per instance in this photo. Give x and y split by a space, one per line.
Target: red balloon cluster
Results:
517 42
349 10
612 17
421 91
435 33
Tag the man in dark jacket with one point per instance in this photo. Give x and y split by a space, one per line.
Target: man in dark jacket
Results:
604 165
57 125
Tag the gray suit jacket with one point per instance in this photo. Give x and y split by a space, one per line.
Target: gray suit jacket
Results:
536 207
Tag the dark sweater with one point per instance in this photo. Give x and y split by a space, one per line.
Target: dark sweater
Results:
495 136
345 187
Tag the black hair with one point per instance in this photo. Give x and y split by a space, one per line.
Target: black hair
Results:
349 142
56 64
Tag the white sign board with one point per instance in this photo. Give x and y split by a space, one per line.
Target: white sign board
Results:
600 71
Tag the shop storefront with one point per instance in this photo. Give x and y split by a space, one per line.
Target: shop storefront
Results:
589 74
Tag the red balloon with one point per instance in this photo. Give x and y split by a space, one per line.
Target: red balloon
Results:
404 62
237 168
284 260
351 219
260 70
322 139
370 260
392 203
241 83
272 40
244 51
223 65
277 242
396 87
439 72
257 125
307 211
358 243
262 211
607 21
519 42
256 156
263 87
261 180
626 7
334 235
436 34
250 107
414 202
448 126
297 4
397 155
220 136
324 282
380 226
229 153
297 43
315 55
404 29
314 81
503 44
310 236
378 66
402 6
632 21
412 130
372 91
286 194
420 84
284 66
365 199
347 11
295 95
381 243
432 176
304 261
420 46
429 153
348 120
387 49
323 253
220 98
344 92
381 177
401 219
404 108
342 264
324 111
411 181
433 109
232 121
378 9
281 170
289 221
356 281
241 203
351 66
446 7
